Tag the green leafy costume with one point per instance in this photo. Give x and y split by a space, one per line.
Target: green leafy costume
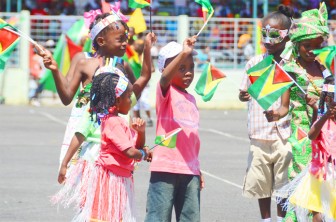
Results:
313 24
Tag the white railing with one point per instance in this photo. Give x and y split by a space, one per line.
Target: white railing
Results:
221 34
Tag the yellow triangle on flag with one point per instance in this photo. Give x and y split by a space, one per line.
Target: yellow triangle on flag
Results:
65 63
269 87
137 21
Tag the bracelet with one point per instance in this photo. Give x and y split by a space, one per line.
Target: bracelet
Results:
143 154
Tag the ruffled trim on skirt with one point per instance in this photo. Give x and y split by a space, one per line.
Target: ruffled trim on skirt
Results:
308 193
98 194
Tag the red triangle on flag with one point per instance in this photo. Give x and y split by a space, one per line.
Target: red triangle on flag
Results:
301 134
333 67
73 48
280 76
129 51
253 78
216 73
7 38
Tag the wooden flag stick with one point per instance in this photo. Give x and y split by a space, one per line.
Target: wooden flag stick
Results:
23 35
205 23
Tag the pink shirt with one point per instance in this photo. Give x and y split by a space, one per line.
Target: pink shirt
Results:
177 109
116 137
324 150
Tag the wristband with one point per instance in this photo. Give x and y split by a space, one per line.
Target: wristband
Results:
143 154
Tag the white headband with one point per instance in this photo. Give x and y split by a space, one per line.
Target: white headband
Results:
121 86
103 24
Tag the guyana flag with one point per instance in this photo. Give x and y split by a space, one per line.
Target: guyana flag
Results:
138 3
206 8
132 58
298 138
208 82
260 68
270 86
327 56
8 42
66 47
169 139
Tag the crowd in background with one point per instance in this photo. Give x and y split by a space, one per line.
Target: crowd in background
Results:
223 8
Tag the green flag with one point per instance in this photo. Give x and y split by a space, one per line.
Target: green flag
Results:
206 8
8 42
208 82
270 86
138 3
327 56
61 54
169 139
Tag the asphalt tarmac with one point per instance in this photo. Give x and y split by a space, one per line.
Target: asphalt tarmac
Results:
30 141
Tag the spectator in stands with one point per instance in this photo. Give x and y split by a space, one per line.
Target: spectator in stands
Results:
245 44
180 7
203 57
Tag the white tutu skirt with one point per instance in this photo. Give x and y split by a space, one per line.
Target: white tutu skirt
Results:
308 193
97 194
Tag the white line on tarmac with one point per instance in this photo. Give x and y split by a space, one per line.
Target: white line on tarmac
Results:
224 134
221 179
55 119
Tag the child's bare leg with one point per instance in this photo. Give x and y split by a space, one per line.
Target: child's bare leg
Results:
281 212
265 207
317 217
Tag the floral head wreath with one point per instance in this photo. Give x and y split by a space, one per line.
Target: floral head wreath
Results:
115 15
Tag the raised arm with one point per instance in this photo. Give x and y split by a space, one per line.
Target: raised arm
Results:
66 85
146 71
172 68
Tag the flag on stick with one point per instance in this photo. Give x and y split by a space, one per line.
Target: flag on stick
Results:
137 21
207 8
138 3
62 52
327 56
132 58
208 82
8 42
260 68
167 140
270 86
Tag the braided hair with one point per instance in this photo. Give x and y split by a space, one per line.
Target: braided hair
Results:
110 26
284 15
102 95
322 103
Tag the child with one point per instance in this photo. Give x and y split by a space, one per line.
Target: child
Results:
270 153
106 28
175 173
306 34
315 187
106 191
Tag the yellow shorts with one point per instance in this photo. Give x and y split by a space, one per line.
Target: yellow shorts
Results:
267 169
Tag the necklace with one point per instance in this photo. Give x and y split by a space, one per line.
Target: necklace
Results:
309 78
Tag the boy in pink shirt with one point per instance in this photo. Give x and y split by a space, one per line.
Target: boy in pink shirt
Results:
175 173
